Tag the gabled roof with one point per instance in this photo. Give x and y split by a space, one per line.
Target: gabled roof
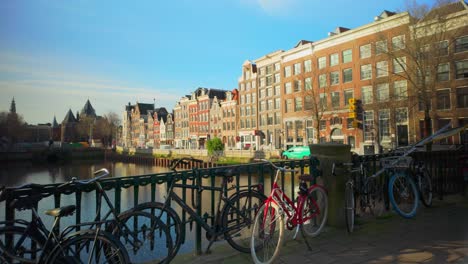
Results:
88 110
69 118
54 123
144 108
302 42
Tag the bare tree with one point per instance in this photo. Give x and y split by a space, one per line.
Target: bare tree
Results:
422 56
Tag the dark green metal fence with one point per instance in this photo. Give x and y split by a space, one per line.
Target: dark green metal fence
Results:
249 175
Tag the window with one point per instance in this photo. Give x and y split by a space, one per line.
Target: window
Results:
308 103
269 92
307 66
323 124
401 91
297 68
262 82
461 44
462 97
288 106
277 90
277 103
322 80
269 80
308 83
298 104
368 126
334 59
384 125
277 66
461 69
277 78
269 69
323 101
270 104
287 88
335 97
367 97
297 86
398 42
365 51
423 100
401 115
443 72
322 62
399 64
381 47
443 99
347 75
334 78
366 72
262 71
347 55
347 95
381 69
442 48
287 71
382 92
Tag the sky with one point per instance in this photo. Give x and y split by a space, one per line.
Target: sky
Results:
56 54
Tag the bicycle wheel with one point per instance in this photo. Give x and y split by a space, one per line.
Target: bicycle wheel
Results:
145 237
25 247
267 234
425 187
170 218
89 246
238 217
349 206
315 210
403 195
375 197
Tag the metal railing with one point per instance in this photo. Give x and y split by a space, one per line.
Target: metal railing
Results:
250 174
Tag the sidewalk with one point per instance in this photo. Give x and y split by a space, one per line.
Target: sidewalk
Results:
435 235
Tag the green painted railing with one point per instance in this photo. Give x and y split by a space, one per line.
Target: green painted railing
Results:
249 175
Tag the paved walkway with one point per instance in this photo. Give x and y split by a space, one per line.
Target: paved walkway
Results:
435 235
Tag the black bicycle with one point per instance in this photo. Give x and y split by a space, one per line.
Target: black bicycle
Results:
422 178
363 194
31 242
233 221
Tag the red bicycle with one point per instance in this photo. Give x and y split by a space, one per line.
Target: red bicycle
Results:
308 214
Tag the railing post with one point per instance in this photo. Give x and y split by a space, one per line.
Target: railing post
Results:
198 236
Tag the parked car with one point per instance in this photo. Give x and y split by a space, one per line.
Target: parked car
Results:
299 152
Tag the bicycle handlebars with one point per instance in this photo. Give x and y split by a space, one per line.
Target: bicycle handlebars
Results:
284 169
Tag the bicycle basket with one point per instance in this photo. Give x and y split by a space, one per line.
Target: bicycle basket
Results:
396 162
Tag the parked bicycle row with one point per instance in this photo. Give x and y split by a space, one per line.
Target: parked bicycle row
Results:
247 219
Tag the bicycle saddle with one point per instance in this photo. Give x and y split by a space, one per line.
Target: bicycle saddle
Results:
306 177
227 172
62 211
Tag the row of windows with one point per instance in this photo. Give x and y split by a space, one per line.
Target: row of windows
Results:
443 99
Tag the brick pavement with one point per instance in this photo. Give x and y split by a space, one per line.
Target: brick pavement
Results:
435 235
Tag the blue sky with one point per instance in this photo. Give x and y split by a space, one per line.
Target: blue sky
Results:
56 54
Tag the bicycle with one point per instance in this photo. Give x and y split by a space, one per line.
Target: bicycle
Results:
423 182
368 191
308 214
232 221
31 242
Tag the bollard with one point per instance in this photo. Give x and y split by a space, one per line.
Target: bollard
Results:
327 154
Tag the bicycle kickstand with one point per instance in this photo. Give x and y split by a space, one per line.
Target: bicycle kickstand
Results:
304 236
212 240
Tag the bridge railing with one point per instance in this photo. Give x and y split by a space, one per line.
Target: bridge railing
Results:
128 192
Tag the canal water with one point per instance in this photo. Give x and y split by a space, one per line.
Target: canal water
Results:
18 174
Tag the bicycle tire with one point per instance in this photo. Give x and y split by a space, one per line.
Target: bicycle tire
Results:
258 246
238 227
316 205
403 195
22 252
170 218
349 207
425 187
156 242
69 250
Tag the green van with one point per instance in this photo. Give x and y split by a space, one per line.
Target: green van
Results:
299 152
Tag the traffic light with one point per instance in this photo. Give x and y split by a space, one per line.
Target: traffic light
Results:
358 110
